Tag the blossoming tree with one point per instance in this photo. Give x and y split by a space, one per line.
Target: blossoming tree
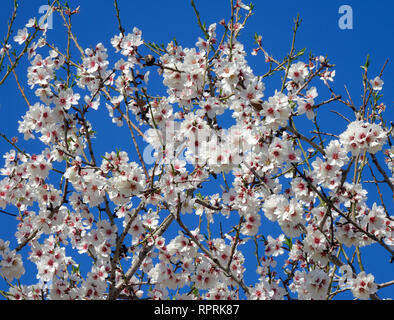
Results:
170 217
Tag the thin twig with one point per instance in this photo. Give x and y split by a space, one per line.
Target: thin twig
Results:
384 174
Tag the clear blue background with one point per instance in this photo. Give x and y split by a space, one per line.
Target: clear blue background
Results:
161 21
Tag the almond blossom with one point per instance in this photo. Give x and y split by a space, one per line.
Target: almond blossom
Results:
215 184
22 36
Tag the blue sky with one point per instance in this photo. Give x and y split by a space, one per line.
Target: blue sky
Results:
162 21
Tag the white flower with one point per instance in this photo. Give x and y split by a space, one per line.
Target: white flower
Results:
306 105
335 154
277 111
377 84
363 286
328 76
363 136
317 283
242 5
298 72
31 22
252 224
11 266
21 36
274 246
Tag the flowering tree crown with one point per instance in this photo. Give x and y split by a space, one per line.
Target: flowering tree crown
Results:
218 182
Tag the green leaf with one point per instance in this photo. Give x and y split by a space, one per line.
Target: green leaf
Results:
300 53
195 292
199 195
75 269
289 243
367 63
257 38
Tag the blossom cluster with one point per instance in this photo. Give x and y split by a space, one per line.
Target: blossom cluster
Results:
116 210
363 136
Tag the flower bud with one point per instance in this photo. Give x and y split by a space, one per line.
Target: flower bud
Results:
256 104
149 60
